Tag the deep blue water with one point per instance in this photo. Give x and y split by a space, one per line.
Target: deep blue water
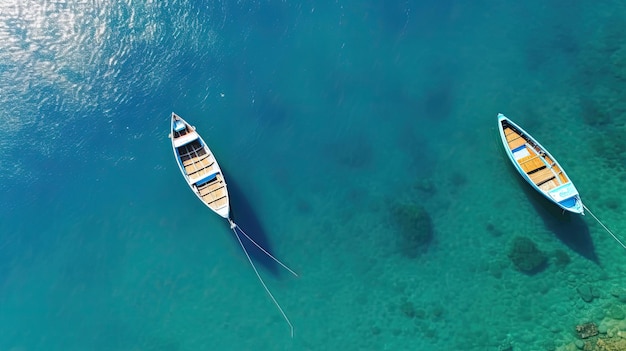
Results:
325 116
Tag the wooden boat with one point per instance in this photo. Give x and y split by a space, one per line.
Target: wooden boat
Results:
541 170
205 178
538 167
199 166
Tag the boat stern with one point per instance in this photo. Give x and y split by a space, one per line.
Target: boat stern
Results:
572 204
567 197
224 211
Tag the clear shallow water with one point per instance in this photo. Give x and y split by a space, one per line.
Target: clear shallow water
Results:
324 116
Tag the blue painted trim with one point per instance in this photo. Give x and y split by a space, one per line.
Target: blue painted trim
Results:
570 202
518 148
206 179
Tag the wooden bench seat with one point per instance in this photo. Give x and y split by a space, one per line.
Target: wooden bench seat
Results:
510 134
531 163
515 143
542 176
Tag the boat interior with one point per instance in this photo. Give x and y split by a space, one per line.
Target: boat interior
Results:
205 177
544 172
213 192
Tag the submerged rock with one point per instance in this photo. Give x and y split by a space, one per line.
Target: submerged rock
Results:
408 309
619 293
616 312
587 292
561 258
584 291
587 330
425 187
415 228
525 255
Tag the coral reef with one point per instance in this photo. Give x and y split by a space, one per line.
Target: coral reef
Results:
525 255
415 227
608 335
611 344
593 340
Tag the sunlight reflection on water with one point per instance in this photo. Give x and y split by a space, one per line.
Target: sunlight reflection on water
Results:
80 61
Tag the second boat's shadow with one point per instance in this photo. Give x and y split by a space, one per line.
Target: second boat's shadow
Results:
569 228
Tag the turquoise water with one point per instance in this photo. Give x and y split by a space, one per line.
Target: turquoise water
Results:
325 117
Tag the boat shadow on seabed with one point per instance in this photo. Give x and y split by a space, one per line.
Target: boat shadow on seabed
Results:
246 218
571 229
255 245
568 227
